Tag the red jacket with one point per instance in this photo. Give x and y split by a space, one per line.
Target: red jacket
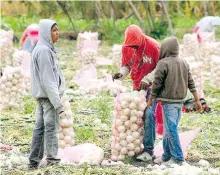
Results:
140 61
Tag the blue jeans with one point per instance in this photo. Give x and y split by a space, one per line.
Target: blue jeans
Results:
171 144
149 128
45 134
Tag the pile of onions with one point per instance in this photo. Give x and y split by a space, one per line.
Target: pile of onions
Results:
66 133
18 57
12 88
190 46
197 75
127 126
6 44
215 71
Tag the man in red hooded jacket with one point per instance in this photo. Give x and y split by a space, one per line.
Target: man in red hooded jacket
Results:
140 54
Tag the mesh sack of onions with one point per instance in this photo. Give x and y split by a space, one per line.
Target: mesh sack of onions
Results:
27 82
127 129
91 36
116 55
190 46
12 88
6 44
215 71
197 75
66 133
89 57
207 36
18 57
207 50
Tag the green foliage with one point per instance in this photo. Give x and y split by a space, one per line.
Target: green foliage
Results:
29 105
160 31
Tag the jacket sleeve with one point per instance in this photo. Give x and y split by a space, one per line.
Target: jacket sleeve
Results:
159 78
23 37
48 79
191 83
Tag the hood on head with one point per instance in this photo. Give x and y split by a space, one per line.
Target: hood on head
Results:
45 26
216 21
169 47
133 36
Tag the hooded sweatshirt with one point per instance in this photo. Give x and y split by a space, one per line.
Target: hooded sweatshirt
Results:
172 77
139 61
47 80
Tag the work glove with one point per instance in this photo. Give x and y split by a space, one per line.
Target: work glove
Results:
117 76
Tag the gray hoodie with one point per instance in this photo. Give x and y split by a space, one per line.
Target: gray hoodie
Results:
47 80
172 77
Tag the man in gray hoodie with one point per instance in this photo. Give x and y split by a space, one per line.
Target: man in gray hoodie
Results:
172 79
47 86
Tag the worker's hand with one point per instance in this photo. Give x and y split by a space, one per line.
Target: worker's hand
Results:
144 86
117 76
149 102
198 106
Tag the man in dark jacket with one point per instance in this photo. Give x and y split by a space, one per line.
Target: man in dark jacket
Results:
47 86
172 79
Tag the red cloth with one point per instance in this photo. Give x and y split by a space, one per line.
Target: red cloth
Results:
159 118
32 32
140 61
198 36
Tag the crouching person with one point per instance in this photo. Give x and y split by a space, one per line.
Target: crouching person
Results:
48 85
172 79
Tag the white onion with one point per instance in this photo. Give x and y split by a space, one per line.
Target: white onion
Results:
136 135
133 112
137 142
127 123
117 147
62 143
126 111
137 100
68 139
130 146
119 122
134 127
123 143
124 117
137 149
61 136
133 119
124 150
129 139
122 136
131 153
121 129
124 104
140 113
132 105
142 107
